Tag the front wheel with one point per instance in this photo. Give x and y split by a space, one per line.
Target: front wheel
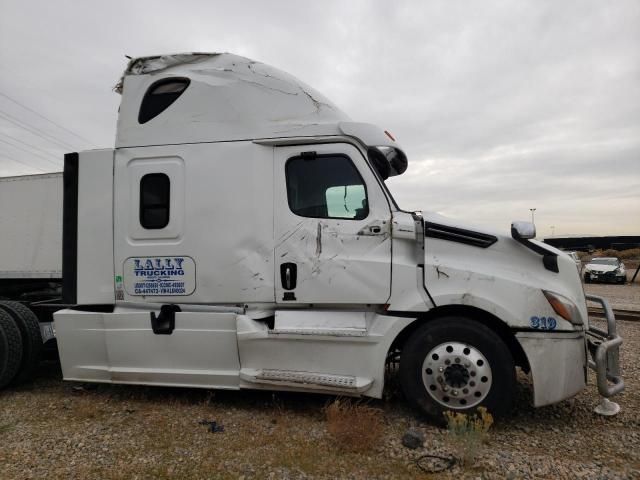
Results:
455 363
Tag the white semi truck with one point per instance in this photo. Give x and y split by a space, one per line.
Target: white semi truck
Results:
241 236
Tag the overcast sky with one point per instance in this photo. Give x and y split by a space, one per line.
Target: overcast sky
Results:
501 106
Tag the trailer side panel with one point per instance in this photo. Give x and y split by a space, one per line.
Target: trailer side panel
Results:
31 227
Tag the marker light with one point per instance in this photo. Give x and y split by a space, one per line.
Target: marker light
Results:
564 307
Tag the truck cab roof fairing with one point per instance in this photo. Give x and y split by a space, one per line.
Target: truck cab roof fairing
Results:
228 98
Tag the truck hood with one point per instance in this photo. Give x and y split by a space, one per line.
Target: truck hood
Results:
438 219
490 270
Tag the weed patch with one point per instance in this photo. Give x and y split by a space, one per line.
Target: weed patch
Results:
467 433
355 427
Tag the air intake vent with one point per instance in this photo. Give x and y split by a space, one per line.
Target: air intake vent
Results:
460 235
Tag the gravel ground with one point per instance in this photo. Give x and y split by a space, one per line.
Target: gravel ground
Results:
626 297
52 429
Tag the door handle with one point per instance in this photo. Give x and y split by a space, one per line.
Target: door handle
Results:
288 275
375 229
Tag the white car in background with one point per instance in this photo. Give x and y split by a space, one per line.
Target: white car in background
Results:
605 269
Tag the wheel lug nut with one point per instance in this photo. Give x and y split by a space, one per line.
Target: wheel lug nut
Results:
454 393
440 369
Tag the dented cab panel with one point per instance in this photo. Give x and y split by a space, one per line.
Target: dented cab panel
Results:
217 246
504 278
229 98
335 260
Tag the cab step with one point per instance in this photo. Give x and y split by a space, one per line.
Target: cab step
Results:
306 380
320 332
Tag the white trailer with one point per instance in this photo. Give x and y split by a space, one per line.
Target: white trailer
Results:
240 235
30 269
31 226
31 240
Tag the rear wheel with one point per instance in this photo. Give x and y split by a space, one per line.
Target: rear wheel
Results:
455 363
29 327
10 349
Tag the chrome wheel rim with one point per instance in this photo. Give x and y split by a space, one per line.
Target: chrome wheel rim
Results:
456 375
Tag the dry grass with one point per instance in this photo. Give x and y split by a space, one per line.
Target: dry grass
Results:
629 254
354 426
155 433
133 432
6 427
85 408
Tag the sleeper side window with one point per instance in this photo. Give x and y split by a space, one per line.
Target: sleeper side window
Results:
326 186
155 191
160 96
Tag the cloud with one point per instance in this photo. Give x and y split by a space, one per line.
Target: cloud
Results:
501 106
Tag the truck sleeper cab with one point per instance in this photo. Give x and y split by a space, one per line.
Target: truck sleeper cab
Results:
241 235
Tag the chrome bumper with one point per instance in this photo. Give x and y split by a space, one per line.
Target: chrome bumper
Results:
604 350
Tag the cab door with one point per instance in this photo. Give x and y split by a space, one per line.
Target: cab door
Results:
332 227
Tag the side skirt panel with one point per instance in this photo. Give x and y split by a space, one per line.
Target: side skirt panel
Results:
331 357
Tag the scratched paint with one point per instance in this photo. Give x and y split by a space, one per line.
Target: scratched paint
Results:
327 254
460 274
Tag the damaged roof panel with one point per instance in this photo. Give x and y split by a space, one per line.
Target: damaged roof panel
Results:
228 98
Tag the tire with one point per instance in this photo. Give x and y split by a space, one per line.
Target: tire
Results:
10 349
30 335
587 278
480 372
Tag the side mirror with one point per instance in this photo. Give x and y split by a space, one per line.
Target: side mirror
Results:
388 161
523 230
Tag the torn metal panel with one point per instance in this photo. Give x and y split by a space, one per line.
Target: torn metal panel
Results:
228 98
157 63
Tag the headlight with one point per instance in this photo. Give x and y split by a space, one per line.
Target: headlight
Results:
564 307
617 271
587 269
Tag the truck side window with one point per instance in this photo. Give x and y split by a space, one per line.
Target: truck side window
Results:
326 186
155 189
160 96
